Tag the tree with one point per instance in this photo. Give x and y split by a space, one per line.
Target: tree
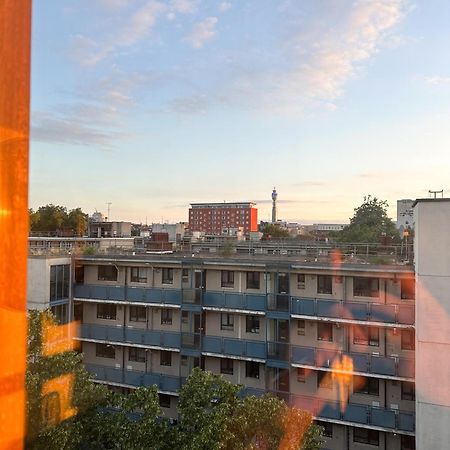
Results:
54 218
274 231
370 224
78 221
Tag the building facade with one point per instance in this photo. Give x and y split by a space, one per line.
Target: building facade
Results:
335 339
212 218
405 214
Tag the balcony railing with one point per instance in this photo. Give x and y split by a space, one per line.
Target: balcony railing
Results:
359 414
278 351
362 362
163 382
234 347
130 335
235 300
374 312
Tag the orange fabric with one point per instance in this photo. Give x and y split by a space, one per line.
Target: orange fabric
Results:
15 27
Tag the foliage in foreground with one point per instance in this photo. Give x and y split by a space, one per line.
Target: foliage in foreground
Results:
212 414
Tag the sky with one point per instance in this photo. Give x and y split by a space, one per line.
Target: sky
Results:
152 105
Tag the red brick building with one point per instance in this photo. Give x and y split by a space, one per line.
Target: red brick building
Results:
212 218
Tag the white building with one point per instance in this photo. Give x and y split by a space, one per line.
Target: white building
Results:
174 230
405 214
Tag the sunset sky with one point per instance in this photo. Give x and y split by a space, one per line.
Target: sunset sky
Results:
152 104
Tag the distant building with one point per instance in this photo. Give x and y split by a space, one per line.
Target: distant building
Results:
325 227
405 214
175 231
274 205
97 217
109 229
212 218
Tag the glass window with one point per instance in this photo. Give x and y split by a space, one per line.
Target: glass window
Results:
167 275
324 284
227 278
164 400
136 354
366 287
226 366
107 273
327 429
165 358
408 340
105 351
185 275
366 436
252 324
407 442
252 369
253 280
301 324
324 380
408 390
138 314
324 331
166 316
226 321
365 385
139 274
301 374
60 313
301 281
363 335
59 282
408 289
106 311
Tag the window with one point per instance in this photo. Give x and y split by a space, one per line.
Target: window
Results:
136 354
365 287
327 429
408 390
407 442
227 278
365 385
107 273
363 335
324 284
301 327
59 282
139 275
138 314
164 400
252 369
185 275
252 280
165 358
408 340
105 351
60 313
184 317
408 289
106 311
301 374
166 316
252 324
226 366
226 321
301 281
167 275
324 380
366 436
324 331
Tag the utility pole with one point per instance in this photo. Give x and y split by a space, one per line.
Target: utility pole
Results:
109 208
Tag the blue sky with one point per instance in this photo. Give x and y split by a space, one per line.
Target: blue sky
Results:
153 104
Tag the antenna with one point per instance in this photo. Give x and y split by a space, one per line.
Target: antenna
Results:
434 193
109 207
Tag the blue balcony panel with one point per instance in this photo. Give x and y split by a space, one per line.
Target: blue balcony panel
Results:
330 411
360 362
382 313
278 363
325 357
134 378
406 421
255 349
327 308
303 306
406 368
382 418
213 299
406 314
233 347
356 413
354 311
256 302
383 366
303 355
212 344
235 300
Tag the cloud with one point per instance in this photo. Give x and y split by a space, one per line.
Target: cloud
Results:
184 6
89 52
224 6
437 80
202 32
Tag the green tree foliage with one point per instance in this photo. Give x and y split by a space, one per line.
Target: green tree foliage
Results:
274 231
370 224
54 218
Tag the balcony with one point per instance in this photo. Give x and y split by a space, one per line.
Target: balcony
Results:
235 300
128 293
368 312
234 347
278 352
362 362
125 335
356 413
163 382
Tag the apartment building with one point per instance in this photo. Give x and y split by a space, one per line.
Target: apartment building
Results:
212 218
335 339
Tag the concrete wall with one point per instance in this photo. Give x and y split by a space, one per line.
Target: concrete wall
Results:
432 261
